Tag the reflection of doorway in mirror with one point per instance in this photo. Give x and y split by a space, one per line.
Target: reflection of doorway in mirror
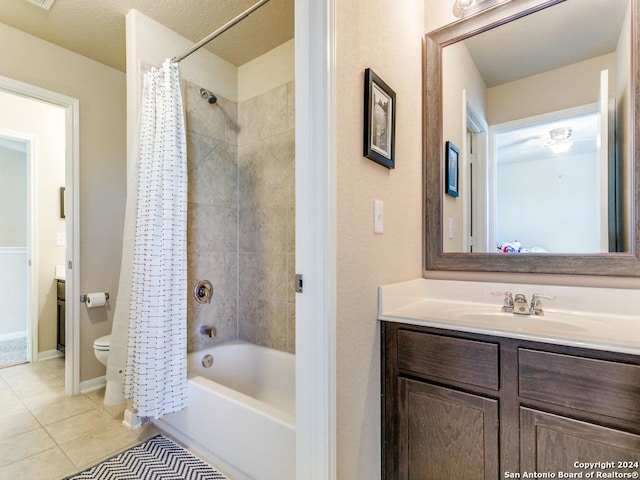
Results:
475 178
470 197
547 198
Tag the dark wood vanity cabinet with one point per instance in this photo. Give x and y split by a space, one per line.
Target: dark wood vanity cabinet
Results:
466 406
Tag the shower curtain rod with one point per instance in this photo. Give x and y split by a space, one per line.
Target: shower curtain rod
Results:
219 31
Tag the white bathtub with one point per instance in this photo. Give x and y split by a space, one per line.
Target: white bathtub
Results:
241 413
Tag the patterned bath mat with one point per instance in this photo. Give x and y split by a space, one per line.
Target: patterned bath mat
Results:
156 459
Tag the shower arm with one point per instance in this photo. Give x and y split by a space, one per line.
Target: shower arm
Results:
219 31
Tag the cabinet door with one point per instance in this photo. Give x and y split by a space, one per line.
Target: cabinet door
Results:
551 443
446 434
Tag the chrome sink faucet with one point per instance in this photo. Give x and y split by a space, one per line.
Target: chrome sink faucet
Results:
518 304
536 304
507 306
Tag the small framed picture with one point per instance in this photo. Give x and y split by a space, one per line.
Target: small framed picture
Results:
451 169
379 120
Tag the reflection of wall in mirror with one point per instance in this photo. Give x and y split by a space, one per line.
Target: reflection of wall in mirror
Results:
559 89
623 127
459 74
550 204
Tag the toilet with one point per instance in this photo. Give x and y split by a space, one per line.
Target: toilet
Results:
101 348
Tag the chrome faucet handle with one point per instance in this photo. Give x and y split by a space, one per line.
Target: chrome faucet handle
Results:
520 305
507 306
536 304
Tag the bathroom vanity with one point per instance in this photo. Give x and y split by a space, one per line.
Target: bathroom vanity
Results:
468 399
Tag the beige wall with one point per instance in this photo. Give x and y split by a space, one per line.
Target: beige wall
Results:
101 91
387 37
570 86
623 125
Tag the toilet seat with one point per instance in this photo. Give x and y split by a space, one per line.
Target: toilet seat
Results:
102 344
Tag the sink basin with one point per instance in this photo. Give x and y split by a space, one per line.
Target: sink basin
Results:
605 319
555 322
552 322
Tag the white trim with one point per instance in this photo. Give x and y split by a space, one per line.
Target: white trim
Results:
13 335
12 250
316 239
93 384
49 354
72 223
33 154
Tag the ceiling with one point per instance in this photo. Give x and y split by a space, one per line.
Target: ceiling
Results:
569 32
96 28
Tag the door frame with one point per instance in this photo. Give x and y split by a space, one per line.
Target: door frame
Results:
316 238
71 108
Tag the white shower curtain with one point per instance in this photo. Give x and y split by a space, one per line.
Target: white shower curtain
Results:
156 372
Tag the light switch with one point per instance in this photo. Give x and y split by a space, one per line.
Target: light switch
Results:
60 239
451 229
378 216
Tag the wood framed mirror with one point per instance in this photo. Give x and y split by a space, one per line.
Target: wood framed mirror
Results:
490 84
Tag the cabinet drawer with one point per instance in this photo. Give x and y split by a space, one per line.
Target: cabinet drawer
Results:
455 359
596 386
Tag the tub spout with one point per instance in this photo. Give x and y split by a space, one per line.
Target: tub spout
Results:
208 330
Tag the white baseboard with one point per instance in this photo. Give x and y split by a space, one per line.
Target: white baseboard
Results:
13 335
49 354
92 385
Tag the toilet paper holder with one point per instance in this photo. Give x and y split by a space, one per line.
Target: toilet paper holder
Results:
83 298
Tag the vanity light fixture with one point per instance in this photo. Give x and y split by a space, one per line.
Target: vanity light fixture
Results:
465 8
559 140
46 4
459 7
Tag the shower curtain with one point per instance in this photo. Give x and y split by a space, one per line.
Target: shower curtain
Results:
156 374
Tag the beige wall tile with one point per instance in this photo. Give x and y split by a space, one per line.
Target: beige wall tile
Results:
242 206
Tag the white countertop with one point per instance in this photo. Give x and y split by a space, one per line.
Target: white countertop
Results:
596 318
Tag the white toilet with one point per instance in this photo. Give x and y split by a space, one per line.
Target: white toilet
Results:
101 348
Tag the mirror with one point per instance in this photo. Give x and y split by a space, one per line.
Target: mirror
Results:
539 99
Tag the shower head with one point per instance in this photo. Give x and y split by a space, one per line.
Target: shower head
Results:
210 97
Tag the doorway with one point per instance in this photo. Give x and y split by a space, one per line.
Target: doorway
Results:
45 125
15 216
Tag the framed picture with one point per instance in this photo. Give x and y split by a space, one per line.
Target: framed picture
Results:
451 169
379 120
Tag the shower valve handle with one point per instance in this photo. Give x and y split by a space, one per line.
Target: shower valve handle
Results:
202 291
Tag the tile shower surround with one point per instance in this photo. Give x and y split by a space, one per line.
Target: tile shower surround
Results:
241 230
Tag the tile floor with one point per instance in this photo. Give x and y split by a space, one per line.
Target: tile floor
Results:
46 435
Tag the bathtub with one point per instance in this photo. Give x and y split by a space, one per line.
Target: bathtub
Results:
241 411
